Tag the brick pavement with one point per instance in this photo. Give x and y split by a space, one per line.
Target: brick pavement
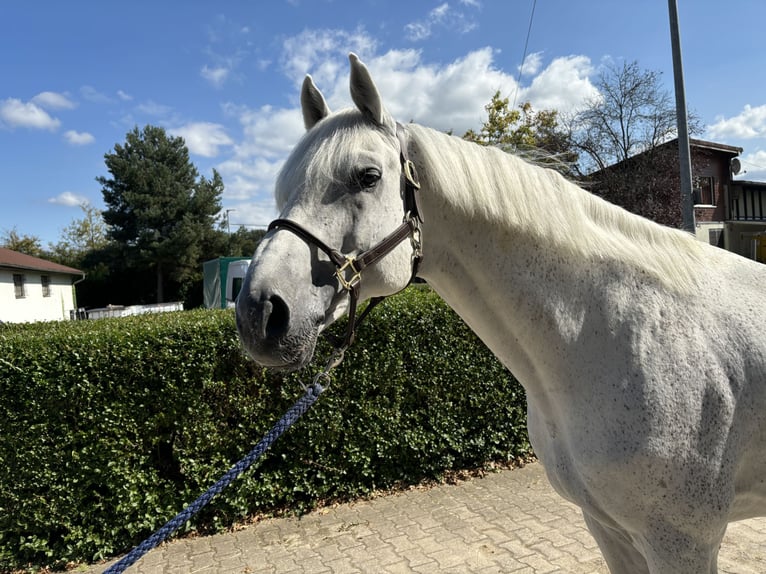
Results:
510 521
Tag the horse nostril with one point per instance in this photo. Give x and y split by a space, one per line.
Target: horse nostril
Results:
276 316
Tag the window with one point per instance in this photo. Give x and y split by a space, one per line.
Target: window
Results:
46 282
18 285
704 190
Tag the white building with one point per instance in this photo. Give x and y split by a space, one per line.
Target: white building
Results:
33 289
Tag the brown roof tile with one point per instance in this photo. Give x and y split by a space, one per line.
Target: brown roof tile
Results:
16 260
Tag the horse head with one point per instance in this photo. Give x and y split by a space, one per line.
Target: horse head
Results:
339 194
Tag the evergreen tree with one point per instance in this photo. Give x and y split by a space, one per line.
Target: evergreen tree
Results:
159 209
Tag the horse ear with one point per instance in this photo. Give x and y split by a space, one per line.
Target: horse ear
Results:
313 104
364 93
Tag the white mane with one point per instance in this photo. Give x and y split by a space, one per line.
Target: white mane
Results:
490 184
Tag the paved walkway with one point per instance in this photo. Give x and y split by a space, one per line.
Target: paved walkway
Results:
510 521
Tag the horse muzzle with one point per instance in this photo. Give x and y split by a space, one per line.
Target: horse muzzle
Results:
272 334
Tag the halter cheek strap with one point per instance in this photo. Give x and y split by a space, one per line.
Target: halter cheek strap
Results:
348 269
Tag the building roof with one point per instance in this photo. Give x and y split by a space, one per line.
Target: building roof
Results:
725 149
746 183
702 144
16 260
733 150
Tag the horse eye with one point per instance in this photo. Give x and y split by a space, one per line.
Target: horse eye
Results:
368 177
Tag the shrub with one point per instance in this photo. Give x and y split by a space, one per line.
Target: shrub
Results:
108 428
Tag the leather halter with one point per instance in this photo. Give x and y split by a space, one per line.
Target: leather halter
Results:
348 268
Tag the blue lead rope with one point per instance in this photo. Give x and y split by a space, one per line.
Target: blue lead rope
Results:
292 415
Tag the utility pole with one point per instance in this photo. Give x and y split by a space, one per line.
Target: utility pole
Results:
684 155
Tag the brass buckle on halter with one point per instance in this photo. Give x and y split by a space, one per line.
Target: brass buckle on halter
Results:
414 224
356 276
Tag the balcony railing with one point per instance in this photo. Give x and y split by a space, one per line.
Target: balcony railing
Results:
748 204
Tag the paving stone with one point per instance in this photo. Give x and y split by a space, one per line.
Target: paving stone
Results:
507 522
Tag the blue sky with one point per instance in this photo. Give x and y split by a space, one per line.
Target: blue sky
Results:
77 76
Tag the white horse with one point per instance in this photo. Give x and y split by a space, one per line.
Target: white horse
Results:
642 350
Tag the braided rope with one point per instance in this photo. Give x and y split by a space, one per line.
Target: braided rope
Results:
293 414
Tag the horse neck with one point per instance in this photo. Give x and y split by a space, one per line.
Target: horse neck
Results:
520 253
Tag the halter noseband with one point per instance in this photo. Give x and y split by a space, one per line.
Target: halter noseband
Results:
348 268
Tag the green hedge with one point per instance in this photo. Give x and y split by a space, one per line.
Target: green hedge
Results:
108 428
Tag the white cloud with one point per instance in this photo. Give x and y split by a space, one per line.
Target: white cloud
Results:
442 17
449 97
53 101
15 113
269 132
445 97
748 124
453 96
323 53
532 64
152 108
248 178
124 96
93 95
564 85
753 166
203 138
269 136
418 31
252 215
78 138
215 76
69 199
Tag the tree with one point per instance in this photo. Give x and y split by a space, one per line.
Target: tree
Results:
242 242
633 113
80 237
27 244
536 135
621 135
158 207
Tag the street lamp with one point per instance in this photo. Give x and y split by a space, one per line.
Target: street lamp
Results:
228 221
684 153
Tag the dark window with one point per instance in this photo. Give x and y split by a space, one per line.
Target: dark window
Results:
18 285
715 237
704 190
46 282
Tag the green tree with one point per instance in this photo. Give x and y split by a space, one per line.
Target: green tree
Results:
242 242
535 134
27 244
80 237
159 208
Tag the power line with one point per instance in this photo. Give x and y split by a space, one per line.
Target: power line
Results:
748 162
524 56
